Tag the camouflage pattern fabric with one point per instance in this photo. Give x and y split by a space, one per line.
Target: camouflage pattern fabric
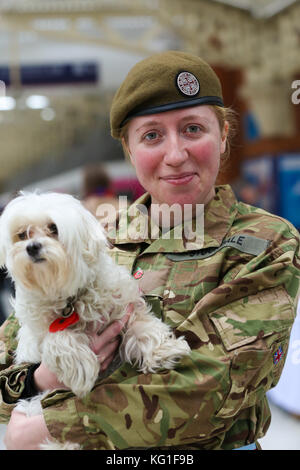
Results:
234 300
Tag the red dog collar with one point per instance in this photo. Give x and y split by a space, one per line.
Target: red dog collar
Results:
68 318
63 322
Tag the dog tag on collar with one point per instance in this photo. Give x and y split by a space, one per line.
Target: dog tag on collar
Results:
63 322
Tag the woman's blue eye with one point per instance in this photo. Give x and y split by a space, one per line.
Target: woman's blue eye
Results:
151 136
193 129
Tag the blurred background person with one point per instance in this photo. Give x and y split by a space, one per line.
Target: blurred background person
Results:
97 188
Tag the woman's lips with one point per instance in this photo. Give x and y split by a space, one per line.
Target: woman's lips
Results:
184 178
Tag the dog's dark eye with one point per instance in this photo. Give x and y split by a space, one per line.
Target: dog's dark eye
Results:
22 235
53 229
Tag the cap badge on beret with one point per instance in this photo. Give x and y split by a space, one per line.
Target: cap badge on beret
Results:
187 83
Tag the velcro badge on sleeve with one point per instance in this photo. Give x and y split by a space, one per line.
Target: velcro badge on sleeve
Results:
278 355
245 243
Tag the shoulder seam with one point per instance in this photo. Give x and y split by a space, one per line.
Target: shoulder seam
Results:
261 211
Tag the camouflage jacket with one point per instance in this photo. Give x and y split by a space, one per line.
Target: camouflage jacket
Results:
232 295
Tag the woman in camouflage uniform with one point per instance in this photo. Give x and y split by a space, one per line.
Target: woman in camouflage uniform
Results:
230 290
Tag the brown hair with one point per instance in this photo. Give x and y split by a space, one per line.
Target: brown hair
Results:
231 116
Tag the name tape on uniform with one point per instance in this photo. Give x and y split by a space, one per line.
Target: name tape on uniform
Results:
245 243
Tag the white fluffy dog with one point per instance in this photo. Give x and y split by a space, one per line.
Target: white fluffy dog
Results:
66 285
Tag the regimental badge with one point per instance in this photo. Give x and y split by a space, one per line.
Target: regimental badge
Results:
188 84
278 355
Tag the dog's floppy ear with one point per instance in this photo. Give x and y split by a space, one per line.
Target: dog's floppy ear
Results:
97 239
93 235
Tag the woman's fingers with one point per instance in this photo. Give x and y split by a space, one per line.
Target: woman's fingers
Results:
106 363
106 336
110 334
108 351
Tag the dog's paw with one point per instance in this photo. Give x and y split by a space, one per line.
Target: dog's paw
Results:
152 349
165 356
81 389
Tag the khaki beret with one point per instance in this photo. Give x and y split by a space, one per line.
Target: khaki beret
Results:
163 82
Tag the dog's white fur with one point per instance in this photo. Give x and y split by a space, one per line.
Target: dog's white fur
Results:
74 263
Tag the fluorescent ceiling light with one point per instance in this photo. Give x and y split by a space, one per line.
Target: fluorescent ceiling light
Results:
37 102
7 103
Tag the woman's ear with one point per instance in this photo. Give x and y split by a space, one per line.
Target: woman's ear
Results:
224 136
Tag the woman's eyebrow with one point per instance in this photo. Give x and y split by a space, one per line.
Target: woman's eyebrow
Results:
195 117
147 124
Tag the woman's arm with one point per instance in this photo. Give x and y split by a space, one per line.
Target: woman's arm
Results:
25 433
8 341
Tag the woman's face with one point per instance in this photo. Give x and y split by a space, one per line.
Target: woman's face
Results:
176 154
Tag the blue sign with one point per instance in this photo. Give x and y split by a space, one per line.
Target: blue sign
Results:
54 74
289 187
258 183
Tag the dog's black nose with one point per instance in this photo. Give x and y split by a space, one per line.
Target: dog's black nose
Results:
33 249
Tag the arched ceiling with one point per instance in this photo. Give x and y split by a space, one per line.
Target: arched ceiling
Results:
142 26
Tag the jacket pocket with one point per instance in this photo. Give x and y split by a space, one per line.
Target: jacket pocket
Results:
244 321
255 331
252 373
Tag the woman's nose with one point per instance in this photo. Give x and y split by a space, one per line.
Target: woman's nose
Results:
175 152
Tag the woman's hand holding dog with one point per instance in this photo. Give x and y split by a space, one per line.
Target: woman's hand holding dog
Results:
103 345
106 344
44 379
25 433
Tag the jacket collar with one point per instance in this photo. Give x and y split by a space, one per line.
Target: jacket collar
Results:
134 226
